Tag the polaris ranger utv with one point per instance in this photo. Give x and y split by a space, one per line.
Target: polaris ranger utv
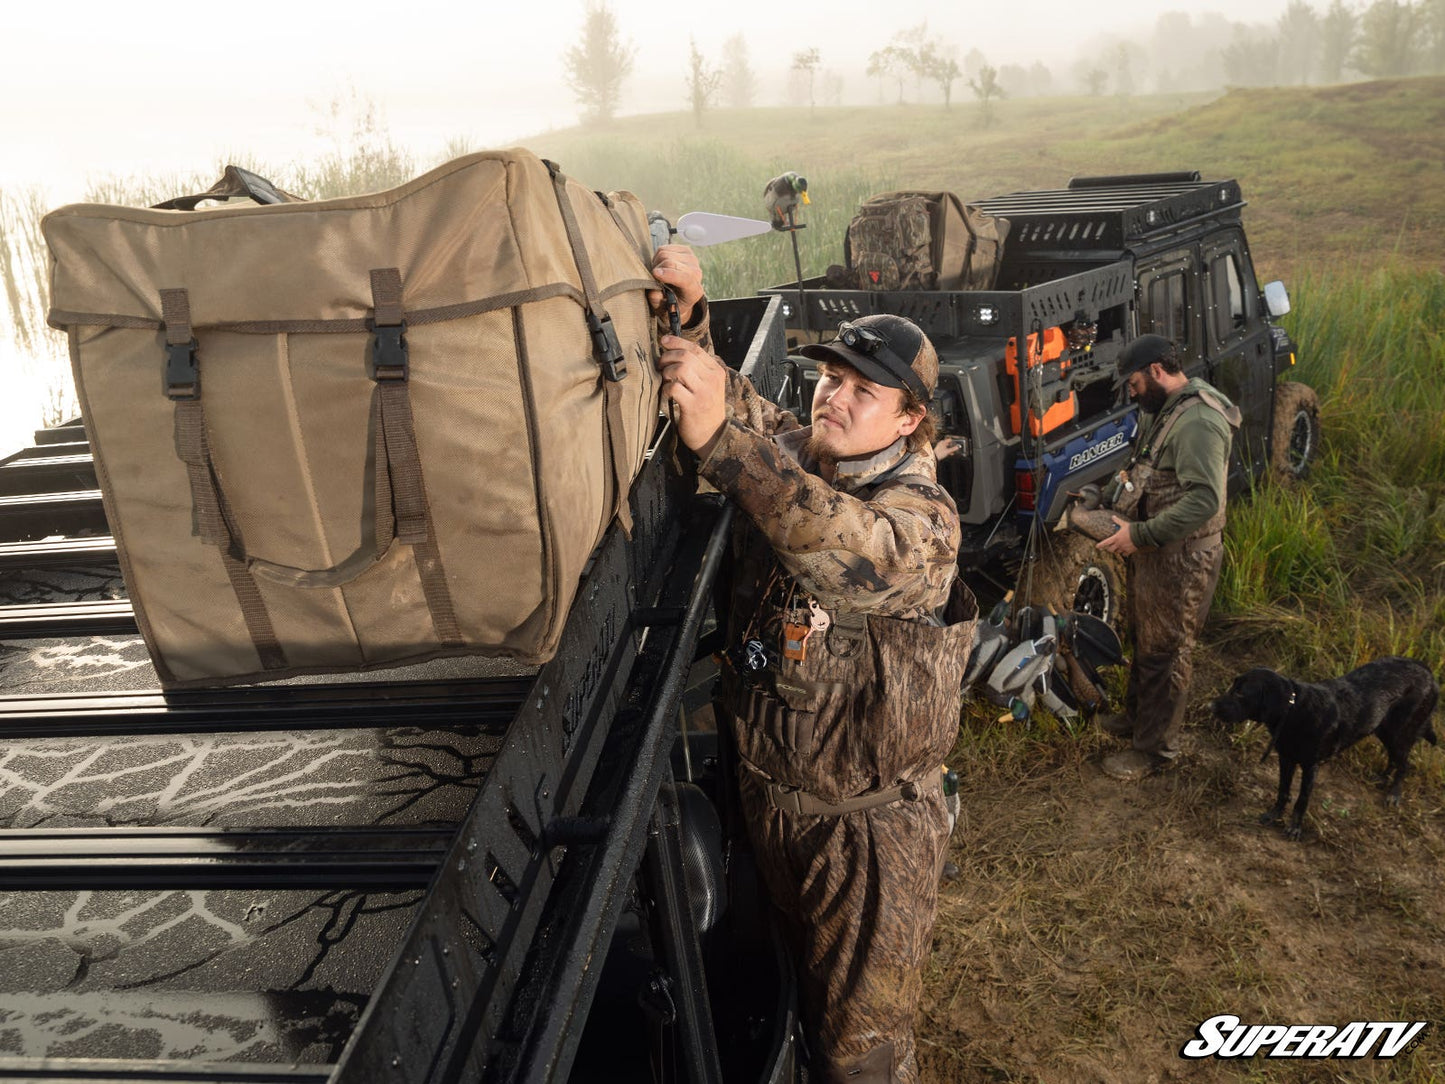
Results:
1084 270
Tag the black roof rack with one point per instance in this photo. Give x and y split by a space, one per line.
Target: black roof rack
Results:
1111 213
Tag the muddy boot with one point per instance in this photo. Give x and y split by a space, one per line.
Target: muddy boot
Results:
1115 724
1133 764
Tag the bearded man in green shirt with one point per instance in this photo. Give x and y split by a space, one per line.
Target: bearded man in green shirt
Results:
1169 505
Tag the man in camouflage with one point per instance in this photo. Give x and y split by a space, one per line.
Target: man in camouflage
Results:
1169 504
847 636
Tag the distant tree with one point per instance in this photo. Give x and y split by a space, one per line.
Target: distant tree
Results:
1095 79
877 69
598 65
1014 78
894 61
1252 59
912 42
1432 13
1041 80
1123 63
986 88
740 84
806 62
1299 43
940 69
702 82
1337 41
973 63
1388 44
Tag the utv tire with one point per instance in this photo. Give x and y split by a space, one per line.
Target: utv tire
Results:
1295 442
1071 574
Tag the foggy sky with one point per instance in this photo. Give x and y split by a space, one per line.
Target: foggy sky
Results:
98 89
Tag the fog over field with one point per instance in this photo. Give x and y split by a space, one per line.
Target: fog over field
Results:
96 88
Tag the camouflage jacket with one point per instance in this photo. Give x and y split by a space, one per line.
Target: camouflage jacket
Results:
873 697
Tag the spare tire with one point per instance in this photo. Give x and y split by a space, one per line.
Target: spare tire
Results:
1073 574
1295 440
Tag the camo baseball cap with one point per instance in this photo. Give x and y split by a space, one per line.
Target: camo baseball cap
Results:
887 349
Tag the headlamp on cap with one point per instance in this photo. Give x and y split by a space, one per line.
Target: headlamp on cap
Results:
870 343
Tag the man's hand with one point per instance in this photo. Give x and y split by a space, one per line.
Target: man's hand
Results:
1121 542
677 266
694 380
946 447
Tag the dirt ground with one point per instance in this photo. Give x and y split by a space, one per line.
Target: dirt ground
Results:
1096 924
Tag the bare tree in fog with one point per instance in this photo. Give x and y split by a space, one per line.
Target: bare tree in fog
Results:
986 88
703 82
806 62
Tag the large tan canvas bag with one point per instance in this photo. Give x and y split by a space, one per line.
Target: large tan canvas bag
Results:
365 431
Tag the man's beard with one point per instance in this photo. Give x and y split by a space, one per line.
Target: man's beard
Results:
816 446
1151 399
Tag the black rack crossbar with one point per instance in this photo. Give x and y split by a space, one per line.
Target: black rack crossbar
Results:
486 703
49 450
58 553
82 859
108 1071
68 433
55 473
43 620
13 505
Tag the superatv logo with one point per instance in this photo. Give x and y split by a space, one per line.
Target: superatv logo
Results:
1104 447
1226 1037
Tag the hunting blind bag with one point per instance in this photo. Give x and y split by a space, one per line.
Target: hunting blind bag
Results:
364 431
923 241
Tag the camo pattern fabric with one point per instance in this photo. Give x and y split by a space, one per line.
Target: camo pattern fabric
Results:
1168 595
874 701
1168 590
890 245
858 894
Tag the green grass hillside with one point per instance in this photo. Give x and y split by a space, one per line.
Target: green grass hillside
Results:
1345 175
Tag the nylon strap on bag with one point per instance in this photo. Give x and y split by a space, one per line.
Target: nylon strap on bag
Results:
401 504
607 351
213 524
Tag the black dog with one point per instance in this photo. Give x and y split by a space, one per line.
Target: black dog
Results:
1392 698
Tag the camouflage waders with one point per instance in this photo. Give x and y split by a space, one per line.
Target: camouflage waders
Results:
1168 592
841 752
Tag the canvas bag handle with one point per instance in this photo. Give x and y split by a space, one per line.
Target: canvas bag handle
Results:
234 182
402 515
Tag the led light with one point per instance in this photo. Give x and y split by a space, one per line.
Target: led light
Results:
987 314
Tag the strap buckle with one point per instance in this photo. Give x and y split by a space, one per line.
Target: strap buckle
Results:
388 352
183 375
605 347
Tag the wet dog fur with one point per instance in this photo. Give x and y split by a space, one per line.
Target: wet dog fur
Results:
1392 698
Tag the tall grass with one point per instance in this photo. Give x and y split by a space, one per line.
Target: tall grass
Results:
697 174
1351 564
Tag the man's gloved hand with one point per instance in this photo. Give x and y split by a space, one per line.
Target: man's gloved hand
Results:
677 266
695 381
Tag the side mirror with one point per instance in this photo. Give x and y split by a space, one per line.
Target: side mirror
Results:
1276 298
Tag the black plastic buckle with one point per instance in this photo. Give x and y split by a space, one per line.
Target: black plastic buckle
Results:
183 375
605 347
388 352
